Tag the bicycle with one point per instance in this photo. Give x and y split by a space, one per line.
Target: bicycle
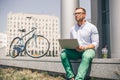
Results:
33 47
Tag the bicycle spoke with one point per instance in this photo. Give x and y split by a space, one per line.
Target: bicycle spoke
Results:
37 47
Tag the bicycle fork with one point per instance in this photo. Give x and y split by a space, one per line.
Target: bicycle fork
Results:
35 39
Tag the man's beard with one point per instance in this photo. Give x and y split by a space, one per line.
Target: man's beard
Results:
80 20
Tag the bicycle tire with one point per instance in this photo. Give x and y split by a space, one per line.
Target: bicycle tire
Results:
35 49
12 52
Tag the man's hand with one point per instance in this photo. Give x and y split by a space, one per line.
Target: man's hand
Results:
80 48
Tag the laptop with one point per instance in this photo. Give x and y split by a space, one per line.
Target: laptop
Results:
68 43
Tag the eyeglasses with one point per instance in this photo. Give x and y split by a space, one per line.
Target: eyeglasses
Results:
78 13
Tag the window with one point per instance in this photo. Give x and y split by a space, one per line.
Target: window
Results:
104 24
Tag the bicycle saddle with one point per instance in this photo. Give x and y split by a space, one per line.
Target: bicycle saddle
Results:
34 28
22 30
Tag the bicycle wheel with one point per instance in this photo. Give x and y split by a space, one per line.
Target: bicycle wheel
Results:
13 51
37 47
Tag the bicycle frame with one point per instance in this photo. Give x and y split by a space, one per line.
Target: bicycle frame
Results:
29 32
21 46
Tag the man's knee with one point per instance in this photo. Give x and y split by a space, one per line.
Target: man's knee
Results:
90 53
63 54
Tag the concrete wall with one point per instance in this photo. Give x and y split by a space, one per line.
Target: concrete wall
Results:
100 68
115 28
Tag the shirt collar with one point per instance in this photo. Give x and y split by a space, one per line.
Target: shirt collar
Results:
82 25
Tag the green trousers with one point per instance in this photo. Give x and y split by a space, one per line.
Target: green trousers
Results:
70 54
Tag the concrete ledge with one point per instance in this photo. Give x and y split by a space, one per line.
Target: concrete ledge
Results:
101 68
46 63
105 68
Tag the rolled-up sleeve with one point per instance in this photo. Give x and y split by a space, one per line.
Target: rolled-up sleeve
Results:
95 37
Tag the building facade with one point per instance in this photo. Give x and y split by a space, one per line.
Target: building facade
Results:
48 26
3 40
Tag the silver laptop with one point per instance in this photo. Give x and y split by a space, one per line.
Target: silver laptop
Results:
68 43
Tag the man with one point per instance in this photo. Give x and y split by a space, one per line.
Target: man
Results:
88 38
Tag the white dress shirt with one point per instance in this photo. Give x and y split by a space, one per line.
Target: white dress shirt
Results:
85 34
